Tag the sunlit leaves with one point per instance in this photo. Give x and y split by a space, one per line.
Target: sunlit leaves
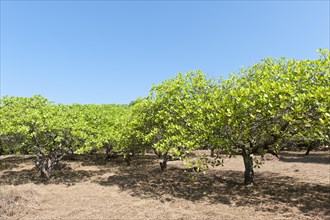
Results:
271 102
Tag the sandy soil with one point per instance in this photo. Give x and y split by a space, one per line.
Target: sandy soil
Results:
90 187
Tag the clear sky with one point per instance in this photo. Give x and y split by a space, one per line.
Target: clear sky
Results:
113 52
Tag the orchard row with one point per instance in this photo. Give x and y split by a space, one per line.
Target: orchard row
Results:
263 108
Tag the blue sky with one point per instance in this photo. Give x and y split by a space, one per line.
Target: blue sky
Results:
113 52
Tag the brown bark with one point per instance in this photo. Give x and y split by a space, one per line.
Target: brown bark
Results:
248 164
163 165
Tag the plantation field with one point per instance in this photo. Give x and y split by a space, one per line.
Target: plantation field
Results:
91 187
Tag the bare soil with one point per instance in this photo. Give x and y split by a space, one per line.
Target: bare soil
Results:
91 187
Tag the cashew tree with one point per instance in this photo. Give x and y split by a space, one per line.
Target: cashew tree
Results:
43 125
271 101
55 130
177 111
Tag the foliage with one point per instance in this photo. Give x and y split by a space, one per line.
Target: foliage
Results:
274 100
51 131
259 110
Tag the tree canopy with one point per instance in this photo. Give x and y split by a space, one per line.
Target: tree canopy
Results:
261 109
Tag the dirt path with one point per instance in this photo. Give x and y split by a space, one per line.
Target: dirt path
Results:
294 187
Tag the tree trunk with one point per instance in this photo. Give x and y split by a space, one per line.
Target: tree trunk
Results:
45 174
212 152
159 154
45 167
163 165
108 151
249 173
309 148
1 148
128 159
46 163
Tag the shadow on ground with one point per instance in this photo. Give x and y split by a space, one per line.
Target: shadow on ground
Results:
292 157
272 192
113 161
11 162
63 173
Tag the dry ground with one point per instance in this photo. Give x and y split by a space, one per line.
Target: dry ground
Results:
90 187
